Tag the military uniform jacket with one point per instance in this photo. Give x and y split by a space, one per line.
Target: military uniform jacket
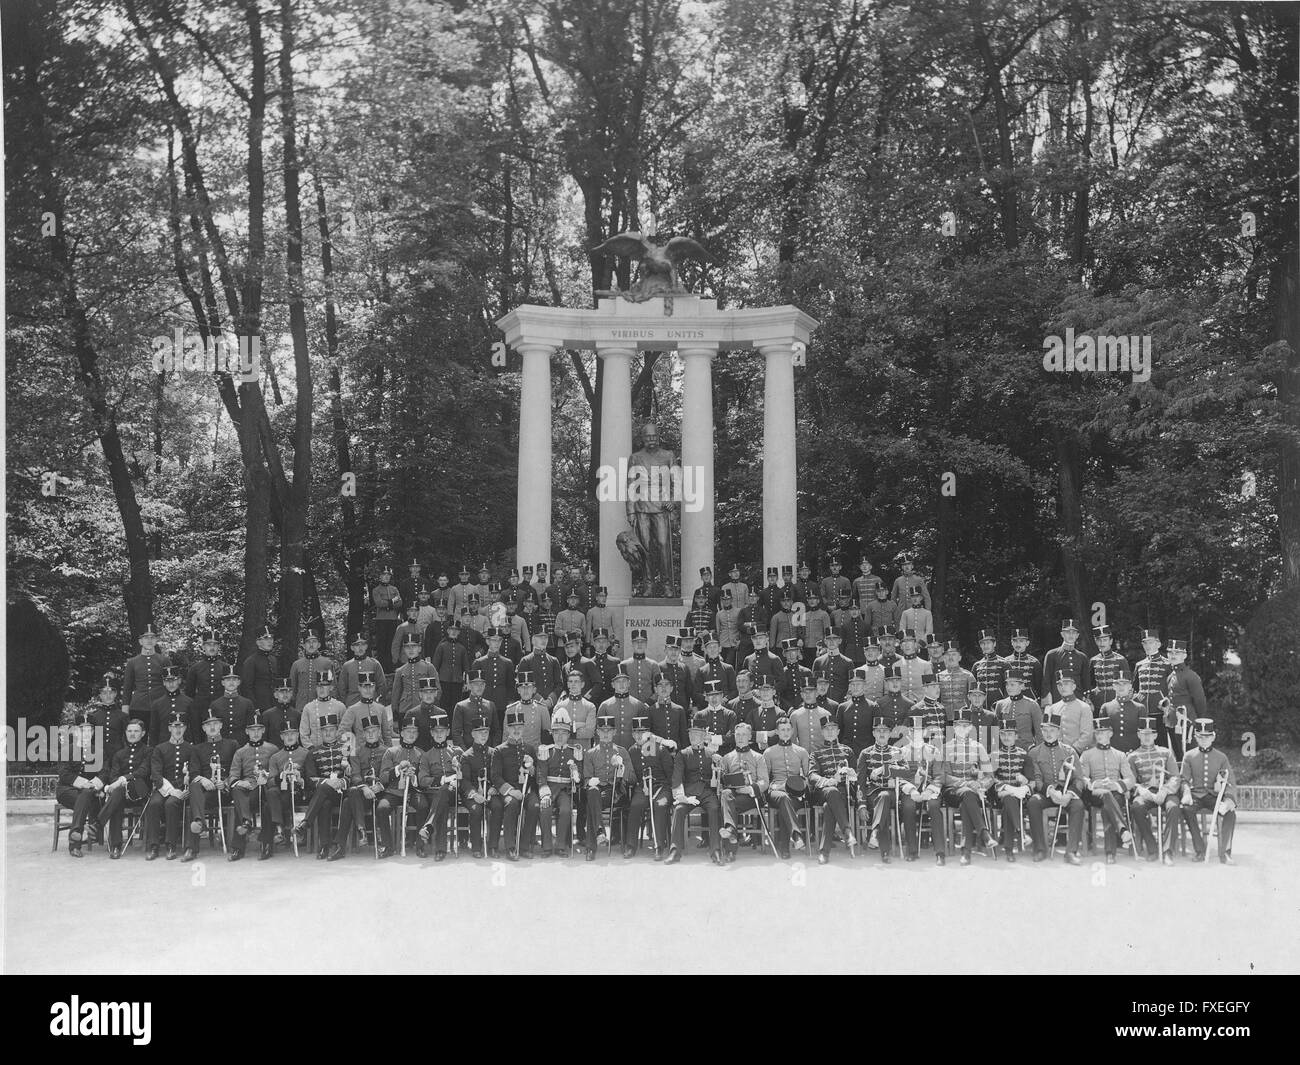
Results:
606 666
508 761
737 765
583 714
693 771
537 720
712 596
83 764
555 764
932 712
463 715
623 710
387 601
1050 761
869 761
668 722
440 760
785 760
770 599
966 760
406 628
260 673
161 711
914 667
854 632
170 762
642 671
840 668
365 766
1105 668
881 614
1029 719
896 708
1010 761
350 721
764 664
450 659
567 621
280 761
1106 763
1125 717
904 586
348 683
807 722
586 669
722 723
739 594
727 623
393 758
990 674
826 761
276 717
659 762
203 682
1185 689
302 677
547 675
406 685
864 588
251 759
782 627
713 669
458 596
201 757
789 685
1074 662
855 717
132 762
475 764
234 712
1031 668
683 693
499 673
325 761
142 683
1076 722
309 728
954 686
598 617
743 706
599 762
1146 763
923 760
1201 770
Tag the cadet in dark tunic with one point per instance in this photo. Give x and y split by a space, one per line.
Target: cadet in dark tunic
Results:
169 773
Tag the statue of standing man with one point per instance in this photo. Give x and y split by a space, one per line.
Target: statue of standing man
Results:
650 507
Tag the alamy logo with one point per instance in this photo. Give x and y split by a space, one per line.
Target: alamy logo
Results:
1100 353
102 1018
237 356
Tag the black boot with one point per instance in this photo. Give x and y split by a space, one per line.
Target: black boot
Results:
152 853
268 850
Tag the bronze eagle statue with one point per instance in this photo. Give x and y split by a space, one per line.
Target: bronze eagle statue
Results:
657 275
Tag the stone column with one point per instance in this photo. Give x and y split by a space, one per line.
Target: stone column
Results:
780 504
615 447
533 501
697 458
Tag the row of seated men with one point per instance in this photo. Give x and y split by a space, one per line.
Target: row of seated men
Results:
425 763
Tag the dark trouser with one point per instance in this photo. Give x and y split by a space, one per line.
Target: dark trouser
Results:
1013 811
1142 811
1112 813
559 812
114 809
1040 807
201 804
596 800
784 817
451 695
320 812
83 802
390 812
383 645
880 808
731 655
244 801
1207 802
711 811
910 808
443 801
169 807
477 823
835 816
972 815
277 805
660 817
505 817
355 808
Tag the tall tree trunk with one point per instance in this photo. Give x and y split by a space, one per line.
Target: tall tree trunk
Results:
293 534
1285 290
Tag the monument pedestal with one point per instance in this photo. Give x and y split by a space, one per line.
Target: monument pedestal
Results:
658 617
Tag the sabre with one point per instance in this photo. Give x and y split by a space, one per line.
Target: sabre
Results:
406 800
519 820
215 768
483 806
1160 812
758 808
647 782
138 820
1056 827
1218 798
848 806
293 815
455 804
374 807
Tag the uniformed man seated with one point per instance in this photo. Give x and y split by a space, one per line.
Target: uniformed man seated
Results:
693 775
514 778
1209 785
607 772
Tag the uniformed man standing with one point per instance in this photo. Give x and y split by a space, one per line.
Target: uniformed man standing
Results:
895 707
1075 715
142 679
387 602
1068 660
546 670
989 670
881 612
311 723
909 582
172 702
738 588
692 784
574 662
713 668
1106 665
497 670
471 708
231 707
855 632
348 685
793 676
955 682
303 673
1031 669
203 679
1026 712
408 628
169 773
865 587
726 621
407 678
259 670
762 662
837 666
1186 695
368 704
1206 772
1125 714
856 715
599 617
451 662
807 718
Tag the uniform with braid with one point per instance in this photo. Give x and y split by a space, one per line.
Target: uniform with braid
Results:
876 792
826 788
1156 782
1012 768
1050 766
990 674
966 761
1105 668
920 790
